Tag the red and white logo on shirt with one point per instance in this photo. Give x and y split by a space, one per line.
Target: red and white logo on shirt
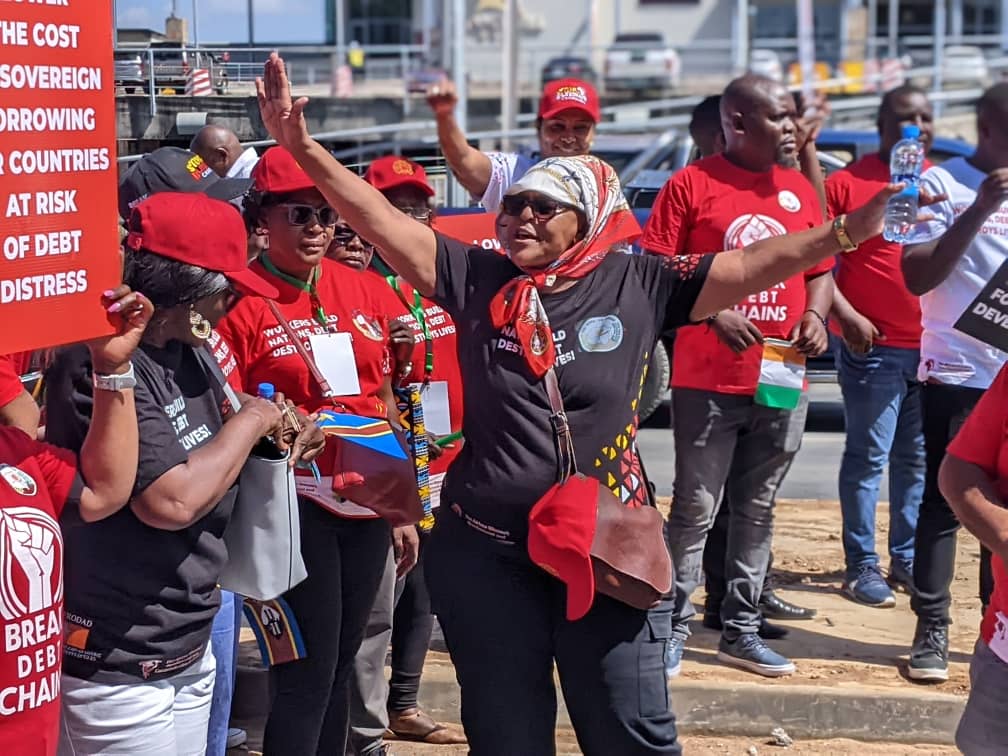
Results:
750 228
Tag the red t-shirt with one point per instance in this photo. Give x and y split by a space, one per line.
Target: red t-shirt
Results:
983 441
446 367
872 278
10 380
260 353
36 482
713 205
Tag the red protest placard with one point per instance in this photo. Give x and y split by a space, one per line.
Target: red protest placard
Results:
59 245
476 228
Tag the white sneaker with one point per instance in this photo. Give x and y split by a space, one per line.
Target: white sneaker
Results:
236 737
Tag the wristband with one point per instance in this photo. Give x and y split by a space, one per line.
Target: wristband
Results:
840 234
115 382
819 317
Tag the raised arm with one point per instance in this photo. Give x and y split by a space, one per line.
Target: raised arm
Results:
471 166
737 273
409 246
108 458
926 265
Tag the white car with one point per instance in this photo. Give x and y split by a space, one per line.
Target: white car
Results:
766 63
965 64
639 62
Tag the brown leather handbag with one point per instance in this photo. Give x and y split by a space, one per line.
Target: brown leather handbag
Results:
628 556
385 484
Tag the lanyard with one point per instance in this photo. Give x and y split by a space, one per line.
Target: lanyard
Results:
417 311
311 287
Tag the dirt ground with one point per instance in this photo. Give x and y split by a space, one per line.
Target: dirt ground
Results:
845 647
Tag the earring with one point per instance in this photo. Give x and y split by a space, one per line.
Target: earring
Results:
199 325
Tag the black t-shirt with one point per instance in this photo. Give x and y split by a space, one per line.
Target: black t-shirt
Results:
604 327
141 600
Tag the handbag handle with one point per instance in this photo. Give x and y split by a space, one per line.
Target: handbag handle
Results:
205 356
566 463
300 347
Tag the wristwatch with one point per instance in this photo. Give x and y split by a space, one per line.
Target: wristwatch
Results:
842 237
119 382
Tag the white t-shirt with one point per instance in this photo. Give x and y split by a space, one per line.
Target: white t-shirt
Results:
505 169
947 355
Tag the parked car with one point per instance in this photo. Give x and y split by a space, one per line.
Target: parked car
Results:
130 73
965 65
172 63
638 62
766 63
569 68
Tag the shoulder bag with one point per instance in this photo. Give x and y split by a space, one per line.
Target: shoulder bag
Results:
263 538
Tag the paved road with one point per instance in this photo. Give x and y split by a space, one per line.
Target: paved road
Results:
812 476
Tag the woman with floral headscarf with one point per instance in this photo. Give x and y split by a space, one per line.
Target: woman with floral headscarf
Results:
557 303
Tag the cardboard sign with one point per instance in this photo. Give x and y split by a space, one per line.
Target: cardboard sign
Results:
986 319
477 228
58 236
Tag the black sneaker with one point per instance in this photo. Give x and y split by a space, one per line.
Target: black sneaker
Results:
929 654
900 577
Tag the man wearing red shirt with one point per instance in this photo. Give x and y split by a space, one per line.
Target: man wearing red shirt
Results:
880 322
974 480
726 441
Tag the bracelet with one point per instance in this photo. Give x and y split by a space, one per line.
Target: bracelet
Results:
818 316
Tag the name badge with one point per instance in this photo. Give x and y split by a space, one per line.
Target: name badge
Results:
334 357
436 412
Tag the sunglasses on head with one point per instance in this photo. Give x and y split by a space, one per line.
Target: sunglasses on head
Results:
542 208
343 235
302 215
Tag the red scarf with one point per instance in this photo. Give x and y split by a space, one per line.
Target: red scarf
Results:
518 303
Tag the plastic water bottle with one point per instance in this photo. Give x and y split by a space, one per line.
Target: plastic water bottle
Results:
267 390
901 215
906 161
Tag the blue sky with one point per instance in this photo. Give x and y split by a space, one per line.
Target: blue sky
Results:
227 20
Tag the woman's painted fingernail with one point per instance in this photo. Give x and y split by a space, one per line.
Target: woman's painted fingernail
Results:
116 307
108 293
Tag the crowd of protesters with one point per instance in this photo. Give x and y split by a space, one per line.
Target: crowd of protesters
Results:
507 372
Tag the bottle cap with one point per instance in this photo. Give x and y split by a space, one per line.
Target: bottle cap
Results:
910 190
911 132
267 390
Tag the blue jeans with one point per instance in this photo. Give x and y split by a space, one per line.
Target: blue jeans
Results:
882 407
224 644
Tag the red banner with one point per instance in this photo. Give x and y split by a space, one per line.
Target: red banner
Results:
60 245
477 229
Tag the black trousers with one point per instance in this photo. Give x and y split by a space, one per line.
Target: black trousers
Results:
714 554
945 410
345 560
504 622
412 624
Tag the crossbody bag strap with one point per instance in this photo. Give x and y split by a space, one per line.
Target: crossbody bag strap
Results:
308 359
566 463
205 356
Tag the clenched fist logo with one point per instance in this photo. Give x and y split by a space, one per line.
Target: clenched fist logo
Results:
31 550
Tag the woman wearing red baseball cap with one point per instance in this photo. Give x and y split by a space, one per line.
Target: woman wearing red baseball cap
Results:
558 320
141 585
568 114
339 316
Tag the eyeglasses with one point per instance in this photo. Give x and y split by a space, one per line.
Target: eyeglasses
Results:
422 214
343 235
302 215
542 208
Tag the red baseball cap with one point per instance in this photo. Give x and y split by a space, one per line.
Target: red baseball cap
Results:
391 171
561 531
569 94
277 172
195 229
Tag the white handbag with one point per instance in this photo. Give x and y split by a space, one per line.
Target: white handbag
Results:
263 538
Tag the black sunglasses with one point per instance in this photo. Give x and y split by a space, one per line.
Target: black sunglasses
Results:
343 235
542 208
302 215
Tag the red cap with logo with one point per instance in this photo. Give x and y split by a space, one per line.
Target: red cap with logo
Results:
561 531
197 230
569 94
391 171
277 172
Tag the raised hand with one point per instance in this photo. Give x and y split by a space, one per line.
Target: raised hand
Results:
282 116
442 98
130 312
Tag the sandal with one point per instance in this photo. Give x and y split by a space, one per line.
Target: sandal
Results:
418 726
